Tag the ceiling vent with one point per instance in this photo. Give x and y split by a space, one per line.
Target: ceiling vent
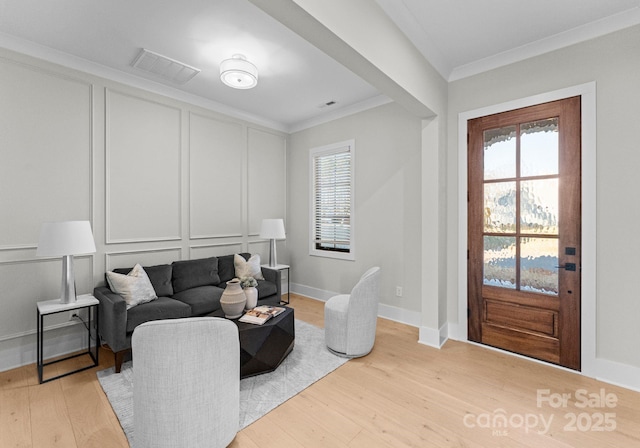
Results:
328 104
164 67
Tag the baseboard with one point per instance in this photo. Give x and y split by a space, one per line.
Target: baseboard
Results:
432 337
611 372
314 293
394 313
398 314
21 350
454 332
390 312
616 373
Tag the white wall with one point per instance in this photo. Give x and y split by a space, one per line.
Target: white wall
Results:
387 206
375 49
612 63
160 180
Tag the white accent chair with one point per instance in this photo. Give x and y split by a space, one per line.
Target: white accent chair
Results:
350 319
186 383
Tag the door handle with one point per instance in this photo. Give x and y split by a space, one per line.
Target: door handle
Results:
567 267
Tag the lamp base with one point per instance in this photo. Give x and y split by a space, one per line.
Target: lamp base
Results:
68 289
272 253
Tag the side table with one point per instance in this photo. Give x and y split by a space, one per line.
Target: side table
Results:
282 267
49 307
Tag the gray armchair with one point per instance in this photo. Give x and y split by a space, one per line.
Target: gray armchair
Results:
186 378
350 319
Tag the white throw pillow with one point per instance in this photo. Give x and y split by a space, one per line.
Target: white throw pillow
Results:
135 287
250 268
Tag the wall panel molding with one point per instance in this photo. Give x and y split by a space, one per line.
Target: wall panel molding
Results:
215 177
19 315
266 177
143 153
216 236
49 155
146 257
84 147
215 249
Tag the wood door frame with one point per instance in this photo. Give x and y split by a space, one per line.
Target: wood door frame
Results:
541 325
587 92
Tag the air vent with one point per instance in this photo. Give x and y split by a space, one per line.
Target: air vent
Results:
164 67
328 104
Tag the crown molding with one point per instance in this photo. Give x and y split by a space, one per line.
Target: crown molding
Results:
570 37
67 60
361 106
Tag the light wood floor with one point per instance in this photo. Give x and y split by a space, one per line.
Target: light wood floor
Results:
401 395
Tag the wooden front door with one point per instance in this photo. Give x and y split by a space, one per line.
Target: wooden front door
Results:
524 212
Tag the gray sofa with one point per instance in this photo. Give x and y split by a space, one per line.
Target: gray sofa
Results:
184 288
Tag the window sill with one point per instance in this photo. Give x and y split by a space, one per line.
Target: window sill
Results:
333 254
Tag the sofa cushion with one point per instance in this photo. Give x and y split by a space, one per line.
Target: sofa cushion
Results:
134 287
248 268
189 274
162 308
266 289
160 277
202 300
226 268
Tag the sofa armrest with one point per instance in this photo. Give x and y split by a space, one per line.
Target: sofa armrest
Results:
113 318
273 276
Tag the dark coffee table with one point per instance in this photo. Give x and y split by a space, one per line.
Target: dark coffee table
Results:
264 347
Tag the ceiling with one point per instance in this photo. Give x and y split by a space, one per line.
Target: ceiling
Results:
296 80
465 37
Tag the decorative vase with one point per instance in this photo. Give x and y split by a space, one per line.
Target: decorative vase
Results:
251 293
233 300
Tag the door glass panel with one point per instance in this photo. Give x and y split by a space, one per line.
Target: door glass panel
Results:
538 261
539 206
500 207
500 261
539 148
535 209
500 153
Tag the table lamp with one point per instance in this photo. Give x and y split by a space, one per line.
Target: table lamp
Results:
272 229
66 239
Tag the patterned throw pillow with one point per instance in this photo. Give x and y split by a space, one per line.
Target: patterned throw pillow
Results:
135 287
250 268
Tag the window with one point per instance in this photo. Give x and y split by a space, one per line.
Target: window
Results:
331 174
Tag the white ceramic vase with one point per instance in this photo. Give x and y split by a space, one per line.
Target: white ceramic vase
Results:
233 300
251 294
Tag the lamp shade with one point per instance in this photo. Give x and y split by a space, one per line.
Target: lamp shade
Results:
272 229
65 238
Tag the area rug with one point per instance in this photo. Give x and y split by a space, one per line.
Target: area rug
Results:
307 363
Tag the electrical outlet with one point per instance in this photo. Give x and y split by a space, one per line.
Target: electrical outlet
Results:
71 315
398 291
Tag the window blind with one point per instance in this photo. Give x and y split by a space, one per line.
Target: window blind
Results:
332 200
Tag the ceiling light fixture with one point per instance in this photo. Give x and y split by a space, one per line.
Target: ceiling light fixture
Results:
238 73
